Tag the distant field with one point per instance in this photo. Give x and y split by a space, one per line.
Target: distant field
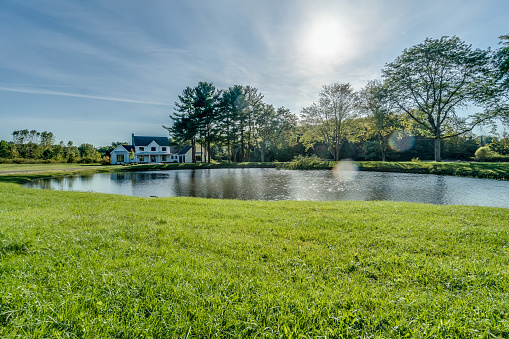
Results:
42 167
85 265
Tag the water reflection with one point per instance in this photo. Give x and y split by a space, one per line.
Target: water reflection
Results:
270 184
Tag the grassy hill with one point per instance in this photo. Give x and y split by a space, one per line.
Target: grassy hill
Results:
84 265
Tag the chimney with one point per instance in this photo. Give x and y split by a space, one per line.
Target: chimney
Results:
132 139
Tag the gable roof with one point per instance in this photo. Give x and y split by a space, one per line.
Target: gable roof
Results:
128 148
145 141
184 150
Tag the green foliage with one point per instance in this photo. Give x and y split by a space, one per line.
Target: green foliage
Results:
306 163
460 147
463 169
4 149
324 121
500 146
483 153
429 81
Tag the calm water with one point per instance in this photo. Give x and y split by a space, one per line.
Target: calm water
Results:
271 184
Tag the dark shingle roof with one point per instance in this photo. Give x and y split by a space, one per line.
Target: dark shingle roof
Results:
145 141
184 150
128 147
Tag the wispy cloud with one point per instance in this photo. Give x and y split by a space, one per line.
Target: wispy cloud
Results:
26 90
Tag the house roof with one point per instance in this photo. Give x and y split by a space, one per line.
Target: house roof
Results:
145 141
184 150
128 148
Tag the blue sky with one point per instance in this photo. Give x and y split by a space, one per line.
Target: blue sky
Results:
97 71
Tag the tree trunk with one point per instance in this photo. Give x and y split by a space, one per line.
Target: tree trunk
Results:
193 150
208 152
242 145
437 148
383 148
262 152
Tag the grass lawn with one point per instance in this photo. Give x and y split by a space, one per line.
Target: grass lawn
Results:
85 265
12 168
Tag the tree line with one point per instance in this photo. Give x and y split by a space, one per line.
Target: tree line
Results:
411 112
236 120
418 97
33 145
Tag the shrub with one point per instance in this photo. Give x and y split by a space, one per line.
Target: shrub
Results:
304 163
483 153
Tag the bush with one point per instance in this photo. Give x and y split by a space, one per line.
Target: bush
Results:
305 163
483 153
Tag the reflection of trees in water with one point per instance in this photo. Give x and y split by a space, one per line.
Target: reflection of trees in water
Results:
275 186
380 187
440 193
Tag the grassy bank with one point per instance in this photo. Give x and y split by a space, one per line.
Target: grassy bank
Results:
488 170
84 265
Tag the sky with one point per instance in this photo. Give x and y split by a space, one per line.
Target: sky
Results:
97 71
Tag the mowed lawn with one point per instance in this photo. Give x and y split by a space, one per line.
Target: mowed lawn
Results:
85 265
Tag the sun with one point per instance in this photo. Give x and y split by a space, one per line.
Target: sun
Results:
325 40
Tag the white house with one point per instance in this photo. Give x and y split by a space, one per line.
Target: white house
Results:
152 150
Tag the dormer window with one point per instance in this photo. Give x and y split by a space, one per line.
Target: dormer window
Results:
142 149
164 149
153 149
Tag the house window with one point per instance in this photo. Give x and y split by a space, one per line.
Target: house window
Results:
153 149
164 158
142 149
164 149
120 158
142 158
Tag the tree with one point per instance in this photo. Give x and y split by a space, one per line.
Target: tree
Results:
253 108
205 111
501 61
232 104
373 101
4 149
432 80
273 128
185 126
324 119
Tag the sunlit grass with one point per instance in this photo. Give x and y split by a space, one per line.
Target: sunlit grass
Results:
488 170
95 265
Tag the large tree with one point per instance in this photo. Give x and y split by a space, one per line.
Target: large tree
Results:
274 128
433 80
232 105
501 59
205 111
325 119
373 102
185 123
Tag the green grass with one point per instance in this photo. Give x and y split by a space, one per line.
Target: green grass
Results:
488 170
84 265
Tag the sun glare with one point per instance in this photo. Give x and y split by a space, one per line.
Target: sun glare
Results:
325 40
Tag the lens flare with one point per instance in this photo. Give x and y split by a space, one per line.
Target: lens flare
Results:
345 170
401 141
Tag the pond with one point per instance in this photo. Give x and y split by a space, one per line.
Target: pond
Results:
272 184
